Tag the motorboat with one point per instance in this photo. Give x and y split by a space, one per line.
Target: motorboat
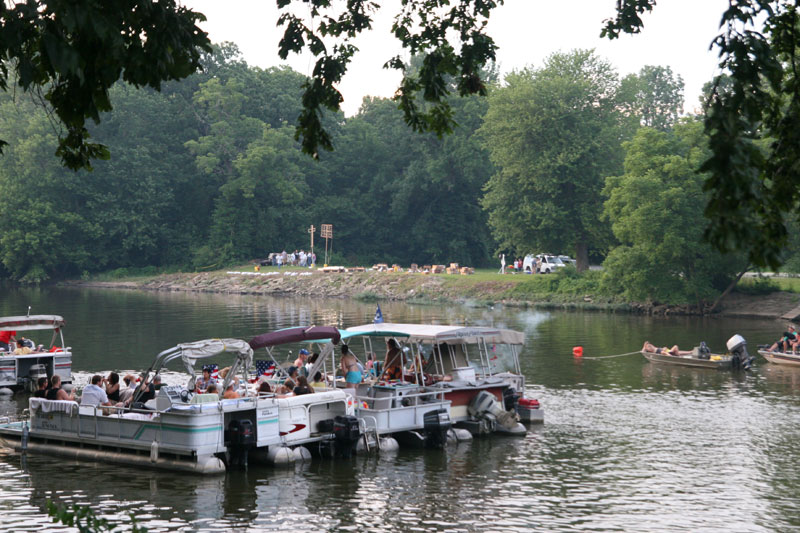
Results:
22 366
466 365
780 358
181 429
700 357
397 412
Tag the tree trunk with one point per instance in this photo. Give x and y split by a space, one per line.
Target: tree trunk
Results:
582 256
729 289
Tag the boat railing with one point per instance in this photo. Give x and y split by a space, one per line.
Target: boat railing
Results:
107 412
438 396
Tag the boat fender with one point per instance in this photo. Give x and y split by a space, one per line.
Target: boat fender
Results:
280 455
389 444
457 435
154 452
301 454
6 392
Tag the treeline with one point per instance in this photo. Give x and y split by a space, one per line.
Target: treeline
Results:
566 158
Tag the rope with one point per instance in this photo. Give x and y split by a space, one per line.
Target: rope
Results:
610 356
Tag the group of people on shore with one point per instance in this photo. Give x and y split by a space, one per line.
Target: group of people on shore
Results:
297 258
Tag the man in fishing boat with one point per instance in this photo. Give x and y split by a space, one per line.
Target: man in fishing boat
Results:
789 340
652 348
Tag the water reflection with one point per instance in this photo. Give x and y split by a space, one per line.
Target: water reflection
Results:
628 445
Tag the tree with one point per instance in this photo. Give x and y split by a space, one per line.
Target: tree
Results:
654 96
68 54
553 134
654 208
757 96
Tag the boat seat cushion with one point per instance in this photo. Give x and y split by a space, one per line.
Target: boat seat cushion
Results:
204 398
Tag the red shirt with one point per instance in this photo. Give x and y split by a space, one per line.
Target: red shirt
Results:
5 336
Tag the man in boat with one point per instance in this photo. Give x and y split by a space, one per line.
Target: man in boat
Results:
788 340
5 338
55 392
302 357
652 348
93 394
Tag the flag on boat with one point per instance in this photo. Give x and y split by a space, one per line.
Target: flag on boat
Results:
265 368
378 316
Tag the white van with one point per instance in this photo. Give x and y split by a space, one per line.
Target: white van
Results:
549 263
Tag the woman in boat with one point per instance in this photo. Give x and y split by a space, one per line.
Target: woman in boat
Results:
393 363
651 348
302 387
350 368
112 387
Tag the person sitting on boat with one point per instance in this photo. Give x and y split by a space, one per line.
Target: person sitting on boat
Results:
302 387
5 338
56 392
22 349
93 394
287 387
788 340
651 348
393 361
204 382
230 392
211 389
264 388
112 387
42 385
349 363
318 382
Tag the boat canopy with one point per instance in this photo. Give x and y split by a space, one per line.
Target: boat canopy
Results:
298 334
31 322
438 334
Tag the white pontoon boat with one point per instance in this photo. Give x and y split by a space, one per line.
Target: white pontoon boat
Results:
20 371
180 430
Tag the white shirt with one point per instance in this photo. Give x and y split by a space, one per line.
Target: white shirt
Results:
93 395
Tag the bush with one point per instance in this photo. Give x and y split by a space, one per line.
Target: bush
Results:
759 285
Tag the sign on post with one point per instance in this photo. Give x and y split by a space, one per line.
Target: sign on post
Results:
326 232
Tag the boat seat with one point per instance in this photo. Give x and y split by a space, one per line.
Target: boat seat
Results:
204 398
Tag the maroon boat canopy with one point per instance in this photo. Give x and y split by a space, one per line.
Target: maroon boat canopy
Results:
301 334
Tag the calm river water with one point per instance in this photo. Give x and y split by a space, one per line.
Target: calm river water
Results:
627 445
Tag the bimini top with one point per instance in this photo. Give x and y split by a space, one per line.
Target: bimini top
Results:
446 334
300 334
32 322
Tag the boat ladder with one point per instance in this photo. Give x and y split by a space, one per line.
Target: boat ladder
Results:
370 435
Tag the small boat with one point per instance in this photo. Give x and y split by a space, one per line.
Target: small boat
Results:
736 358
20 371
195 432
781 358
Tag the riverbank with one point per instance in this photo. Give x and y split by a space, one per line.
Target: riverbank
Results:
547 291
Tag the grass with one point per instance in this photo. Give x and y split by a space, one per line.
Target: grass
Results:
768 285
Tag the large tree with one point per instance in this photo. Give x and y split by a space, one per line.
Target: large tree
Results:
654 208
554 135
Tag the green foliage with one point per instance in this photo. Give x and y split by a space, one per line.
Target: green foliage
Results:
427 29
655 212
752 190
554 134
757 286
84 520
653 97
70 53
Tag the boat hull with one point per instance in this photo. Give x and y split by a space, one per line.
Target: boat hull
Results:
780 358
687 360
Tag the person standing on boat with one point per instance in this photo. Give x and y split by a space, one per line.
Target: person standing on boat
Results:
5 338
302 358
350 369
393 363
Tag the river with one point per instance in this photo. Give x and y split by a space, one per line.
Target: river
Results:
627 445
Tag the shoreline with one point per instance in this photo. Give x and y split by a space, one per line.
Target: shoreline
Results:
427 289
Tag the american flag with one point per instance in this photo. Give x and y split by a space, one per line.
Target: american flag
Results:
266 368
213 370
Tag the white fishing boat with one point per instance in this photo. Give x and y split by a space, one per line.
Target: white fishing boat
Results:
780 358
21 366
476 369
181 430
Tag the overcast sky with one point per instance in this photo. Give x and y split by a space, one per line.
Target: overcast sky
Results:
677 34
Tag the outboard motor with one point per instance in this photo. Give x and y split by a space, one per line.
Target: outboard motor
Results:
240 437
510 399
436 424
347 433
737 346
485 405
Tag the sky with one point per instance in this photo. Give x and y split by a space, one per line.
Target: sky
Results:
676 34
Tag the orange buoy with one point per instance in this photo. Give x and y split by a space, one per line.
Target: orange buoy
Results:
577 351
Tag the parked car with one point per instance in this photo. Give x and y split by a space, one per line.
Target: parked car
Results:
567 260
549 263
